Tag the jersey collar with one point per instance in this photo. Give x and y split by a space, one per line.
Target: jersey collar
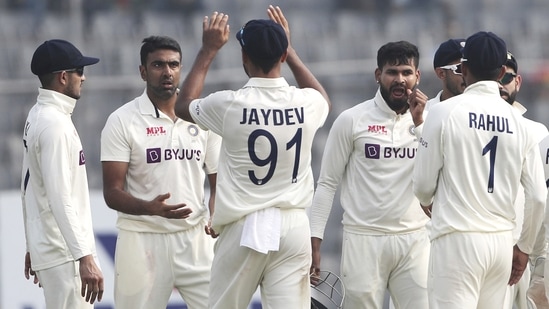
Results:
260 82
146 106
65 103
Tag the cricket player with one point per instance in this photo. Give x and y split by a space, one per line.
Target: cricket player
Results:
154 168
509 86
370 151
61 253
265 179
544 150
447 66
475 152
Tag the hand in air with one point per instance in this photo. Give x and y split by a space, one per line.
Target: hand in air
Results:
275 14
215 31
417 101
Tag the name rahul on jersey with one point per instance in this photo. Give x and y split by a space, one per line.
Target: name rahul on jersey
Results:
488 122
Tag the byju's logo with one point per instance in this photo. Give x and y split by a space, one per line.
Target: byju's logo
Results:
372 151
82 159
154 155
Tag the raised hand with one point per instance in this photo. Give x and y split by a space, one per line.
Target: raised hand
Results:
417 101
275 14
215 31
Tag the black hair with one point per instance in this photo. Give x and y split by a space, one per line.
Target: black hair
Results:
266 65
46 80
396 53
154 43
483 74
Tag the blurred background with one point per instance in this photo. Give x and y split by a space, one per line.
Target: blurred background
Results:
337 39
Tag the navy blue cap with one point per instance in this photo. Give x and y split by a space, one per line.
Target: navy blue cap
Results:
511 62
263 39
448 51
485 51
56 55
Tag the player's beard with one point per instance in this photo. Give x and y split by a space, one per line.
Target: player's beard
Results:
73 90
509 97
163 93
398 105
455 88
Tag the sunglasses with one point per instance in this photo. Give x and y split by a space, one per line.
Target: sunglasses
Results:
456 68
79 71
507 78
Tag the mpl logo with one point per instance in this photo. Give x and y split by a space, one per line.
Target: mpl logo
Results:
154 155
372 151
376 128
154 131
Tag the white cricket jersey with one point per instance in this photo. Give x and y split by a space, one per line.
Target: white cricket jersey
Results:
164 157
539 131
433 101
544 151
474 153
268 129
370 151
54 188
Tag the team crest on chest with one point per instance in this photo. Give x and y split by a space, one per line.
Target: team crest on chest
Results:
193 130
412 130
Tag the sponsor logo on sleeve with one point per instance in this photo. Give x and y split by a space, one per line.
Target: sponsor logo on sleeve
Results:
82 158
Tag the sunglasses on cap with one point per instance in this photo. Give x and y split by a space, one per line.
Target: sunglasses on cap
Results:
79 71
456 68
507 78
240 35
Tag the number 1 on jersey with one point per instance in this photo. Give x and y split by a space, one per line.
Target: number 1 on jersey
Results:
491 148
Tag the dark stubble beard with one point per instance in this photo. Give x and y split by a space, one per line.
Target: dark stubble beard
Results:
511 96
162 93
395 105
71 91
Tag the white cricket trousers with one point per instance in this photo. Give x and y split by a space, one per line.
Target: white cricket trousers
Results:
470 270
372 264
283 276
62 287
150 265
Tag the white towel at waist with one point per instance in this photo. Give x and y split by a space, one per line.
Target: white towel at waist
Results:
261 231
